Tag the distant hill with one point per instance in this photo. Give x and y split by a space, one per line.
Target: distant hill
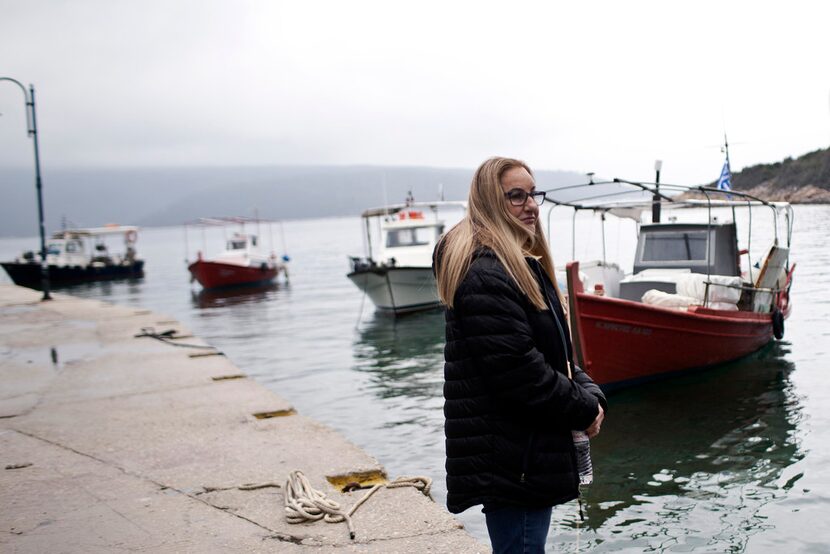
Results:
87 197
170 196
802 180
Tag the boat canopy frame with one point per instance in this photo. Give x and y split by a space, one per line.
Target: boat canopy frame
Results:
203 223
599 203
89 232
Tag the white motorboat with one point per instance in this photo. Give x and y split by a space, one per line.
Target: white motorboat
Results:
80 256
399 278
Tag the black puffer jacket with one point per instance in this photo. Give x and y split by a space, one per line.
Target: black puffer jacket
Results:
508 402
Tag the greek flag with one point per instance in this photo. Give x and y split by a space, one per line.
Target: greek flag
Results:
725 180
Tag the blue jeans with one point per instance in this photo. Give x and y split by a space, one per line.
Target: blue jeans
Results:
517 530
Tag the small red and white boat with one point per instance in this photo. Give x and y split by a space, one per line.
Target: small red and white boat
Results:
241 263
688 304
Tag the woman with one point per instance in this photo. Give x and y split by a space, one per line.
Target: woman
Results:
509 402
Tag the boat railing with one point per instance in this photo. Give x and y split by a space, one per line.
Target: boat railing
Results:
359 263
749 300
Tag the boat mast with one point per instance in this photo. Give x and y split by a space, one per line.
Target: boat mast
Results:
368 237
655 200
726 150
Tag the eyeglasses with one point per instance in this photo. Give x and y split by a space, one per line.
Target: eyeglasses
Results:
518 197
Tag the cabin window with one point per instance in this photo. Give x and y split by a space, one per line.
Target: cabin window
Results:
671 247
410 236
54 249
73 246
236 245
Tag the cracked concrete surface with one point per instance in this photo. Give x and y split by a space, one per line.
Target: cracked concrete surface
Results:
110 442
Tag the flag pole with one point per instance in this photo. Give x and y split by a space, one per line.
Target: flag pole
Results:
726 149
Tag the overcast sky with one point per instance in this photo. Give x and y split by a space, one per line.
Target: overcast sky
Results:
585 86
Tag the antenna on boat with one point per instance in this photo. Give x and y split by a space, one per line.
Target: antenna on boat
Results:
282 238
725 150
256 216
655 201
441 192
186 244
385 197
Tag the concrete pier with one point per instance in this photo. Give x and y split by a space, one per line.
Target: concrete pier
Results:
113 442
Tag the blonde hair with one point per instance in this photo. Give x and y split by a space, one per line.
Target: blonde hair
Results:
488 223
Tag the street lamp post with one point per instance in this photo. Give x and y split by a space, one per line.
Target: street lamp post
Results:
31 125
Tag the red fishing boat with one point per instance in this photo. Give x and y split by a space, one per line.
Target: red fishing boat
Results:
241 263
688 303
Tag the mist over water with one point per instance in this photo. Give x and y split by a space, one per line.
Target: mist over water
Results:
720 461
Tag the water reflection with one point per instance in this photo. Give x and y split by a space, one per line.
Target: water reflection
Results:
103 289
702 452
404 356
217 298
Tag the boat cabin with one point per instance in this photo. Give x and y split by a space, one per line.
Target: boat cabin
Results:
409 238
79 247
666 250
241 242
66 251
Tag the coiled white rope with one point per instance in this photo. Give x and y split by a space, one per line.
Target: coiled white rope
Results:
304 503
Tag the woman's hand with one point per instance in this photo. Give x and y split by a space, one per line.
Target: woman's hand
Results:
593 430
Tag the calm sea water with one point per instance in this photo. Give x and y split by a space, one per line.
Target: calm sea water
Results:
729 460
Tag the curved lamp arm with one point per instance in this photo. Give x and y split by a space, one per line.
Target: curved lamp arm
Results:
31 127
29 103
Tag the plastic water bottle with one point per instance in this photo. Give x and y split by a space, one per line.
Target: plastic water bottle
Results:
582 445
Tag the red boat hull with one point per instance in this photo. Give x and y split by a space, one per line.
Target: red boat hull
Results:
620 342
214 275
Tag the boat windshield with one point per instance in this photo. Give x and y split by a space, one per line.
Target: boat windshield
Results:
667 247
410 236
236 244
54 248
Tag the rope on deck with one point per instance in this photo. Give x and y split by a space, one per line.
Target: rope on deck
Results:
303 503
167 338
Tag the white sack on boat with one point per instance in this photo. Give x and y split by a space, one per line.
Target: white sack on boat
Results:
656 297
720 290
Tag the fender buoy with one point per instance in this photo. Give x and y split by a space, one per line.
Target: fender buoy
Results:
777 324
131 235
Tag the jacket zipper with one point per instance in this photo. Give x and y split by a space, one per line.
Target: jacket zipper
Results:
553 313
